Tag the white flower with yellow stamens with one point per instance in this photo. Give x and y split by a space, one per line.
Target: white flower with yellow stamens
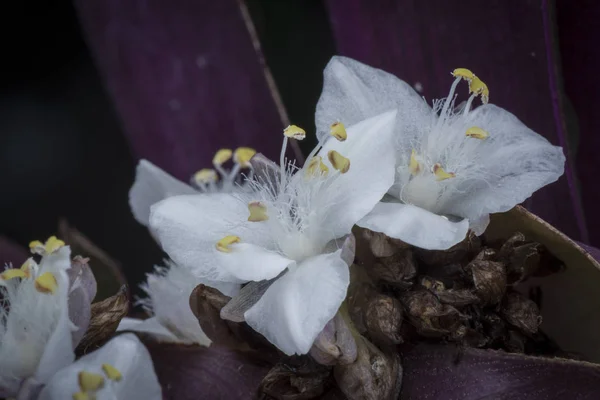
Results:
168 297
152 184
121 369
455 165
282 229
35 330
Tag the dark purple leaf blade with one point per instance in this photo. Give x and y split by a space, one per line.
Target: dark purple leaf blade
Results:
448 372
200 373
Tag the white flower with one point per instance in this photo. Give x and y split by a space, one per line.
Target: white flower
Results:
455 165
152 184
168 290
35 330
120 370
282 229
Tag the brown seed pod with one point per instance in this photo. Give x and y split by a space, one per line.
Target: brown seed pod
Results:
521 313
428 315
488 277
383 319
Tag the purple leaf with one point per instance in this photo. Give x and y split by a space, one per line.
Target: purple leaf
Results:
449 372
506 43
187 78
197 373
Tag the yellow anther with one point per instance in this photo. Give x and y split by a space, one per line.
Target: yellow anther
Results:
316 166
111 372
242 156
90 382
206 175
222 156
338 161
12 273
477 133
27 267
37 247
440 174
294 131
223 244
258 211
82 396
414 165
53 244
46 283
479 88
338 131
464 73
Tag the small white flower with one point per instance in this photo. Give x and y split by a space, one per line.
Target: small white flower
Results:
282 229
35 330
152 184
455 165
120 370
168 290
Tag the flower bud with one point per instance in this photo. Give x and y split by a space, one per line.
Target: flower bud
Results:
489 279
383 319
382 245
335 344
428 315
397 270
521 313
373 376
299 379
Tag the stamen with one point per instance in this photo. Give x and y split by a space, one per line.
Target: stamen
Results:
477 133
242 156
440 174
12 273
294 131
477 87
447 103
463 73
414 165
46 283
258 211
338 161
205 176
111 372
90 382
338 131
222 156
316 166
37 247
53 244
223 244
82 396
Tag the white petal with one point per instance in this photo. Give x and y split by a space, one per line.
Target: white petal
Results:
298 305
352 195
152 185
124 352
189 227
504 169
415 226
151 326
248 262
353 91
478 226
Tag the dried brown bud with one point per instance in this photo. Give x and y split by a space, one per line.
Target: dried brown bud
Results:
383 319
373 376
515 341
469 337
105 318
489 279
455 254
494 327
523 262
457 297
206 304
335 344
382 245
397 270
521 313
428 315
301 380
